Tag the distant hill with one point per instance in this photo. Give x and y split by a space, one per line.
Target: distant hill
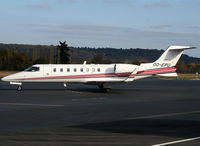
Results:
79 54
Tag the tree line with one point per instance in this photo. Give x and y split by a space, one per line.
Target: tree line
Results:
79 54
11 59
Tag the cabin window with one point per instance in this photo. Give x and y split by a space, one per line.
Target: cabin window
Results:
93 69
61 70
87 69
68 69
54 70
32 69
75 69
98 69
81 69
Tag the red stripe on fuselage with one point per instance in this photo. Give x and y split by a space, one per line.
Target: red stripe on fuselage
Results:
157 71
148 72
79 76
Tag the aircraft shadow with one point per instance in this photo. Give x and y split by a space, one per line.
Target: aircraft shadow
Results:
112 90
161 127
84 90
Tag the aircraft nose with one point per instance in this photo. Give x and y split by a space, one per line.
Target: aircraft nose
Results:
4 78
7 78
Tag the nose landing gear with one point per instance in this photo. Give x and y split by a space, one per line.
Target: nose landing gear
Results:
19 88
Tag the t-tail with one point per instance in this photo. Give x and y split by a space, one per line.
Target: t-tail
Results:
165 65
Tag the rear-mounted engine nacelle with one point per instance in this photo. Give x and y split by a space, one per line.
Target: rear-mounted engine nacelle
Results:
124 68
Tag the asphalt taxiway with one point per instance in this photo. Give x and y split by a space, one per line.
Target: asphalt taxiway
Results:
145 112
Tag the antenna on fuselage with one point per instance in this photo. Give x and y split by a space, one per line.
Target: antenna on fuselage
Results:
84 62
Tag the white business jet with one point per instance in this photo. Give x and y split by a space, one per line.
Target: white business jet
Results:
103 75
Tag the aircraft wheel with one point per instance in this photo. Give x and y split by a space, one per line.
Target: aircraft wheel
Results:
106 90
103 89
100 87
19 88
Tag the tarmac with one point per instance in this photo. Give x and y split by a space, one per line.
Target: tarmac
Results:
154 112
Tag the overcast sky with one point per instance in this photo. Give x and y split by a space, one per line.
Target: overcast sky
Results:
102 23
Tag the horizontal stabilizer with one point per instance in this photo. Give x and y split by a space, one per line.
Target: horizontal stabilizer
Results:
180 47
168 75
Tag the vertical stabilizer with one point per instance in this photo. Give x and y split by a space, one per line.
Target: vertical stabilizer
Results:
172 55
165 65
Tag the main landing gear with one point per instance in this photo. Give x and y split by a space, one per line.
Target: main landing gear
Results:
104 87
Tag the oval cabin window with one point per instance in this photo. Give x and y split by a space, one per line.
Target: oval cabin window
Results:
93 69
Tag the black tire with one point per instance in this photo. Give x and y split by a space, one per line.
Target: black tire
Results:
19 88
101 87
105 90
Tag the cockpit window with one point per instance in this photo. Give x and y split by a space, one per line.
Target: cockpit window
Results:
32 69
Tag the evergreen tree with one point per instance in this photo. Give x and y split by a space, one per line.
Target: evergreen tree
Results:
63 56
